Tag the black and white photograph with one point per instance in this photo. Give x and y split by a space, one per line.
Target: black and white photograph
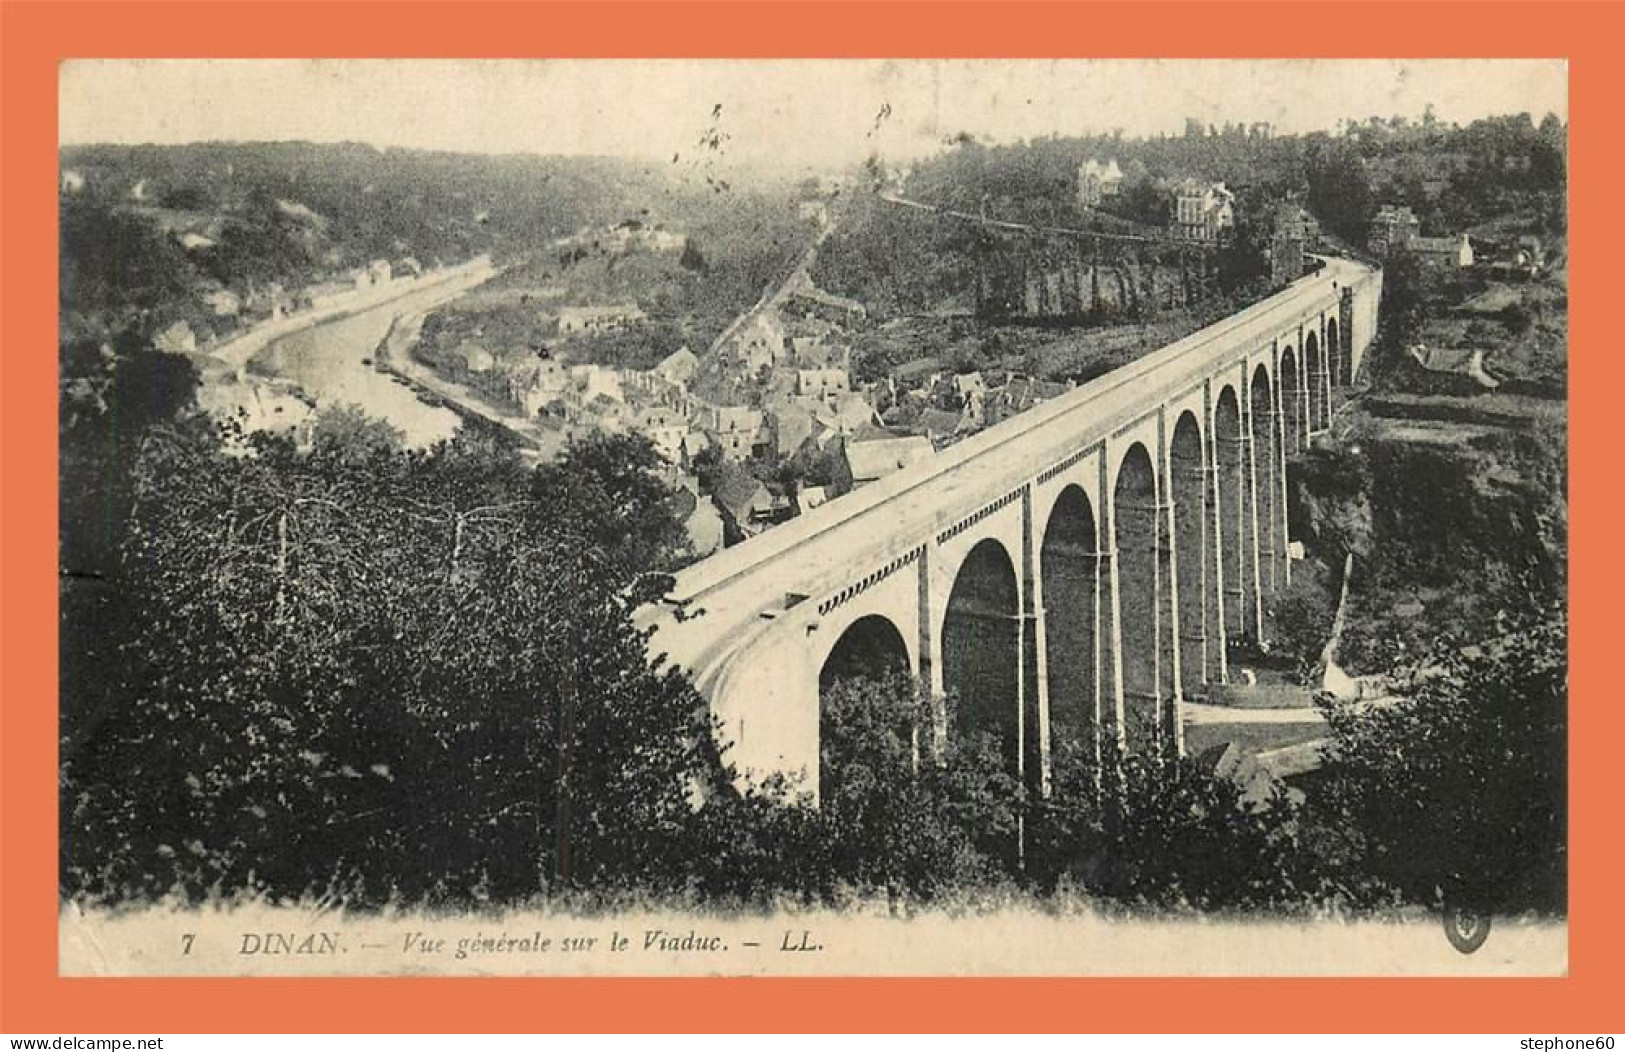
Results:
813 517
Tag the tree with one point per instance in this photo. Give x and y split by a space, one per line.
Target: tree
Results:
1461 787
1339 190
892 817
404 675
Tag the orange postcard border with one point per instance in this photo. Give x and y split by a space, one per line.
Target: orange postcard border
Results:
36 36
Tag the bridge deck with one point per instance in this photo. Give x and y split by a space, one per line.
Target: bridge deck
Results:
816 552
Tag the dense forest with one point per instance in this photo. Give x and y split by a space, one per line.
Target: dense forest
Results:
1500 170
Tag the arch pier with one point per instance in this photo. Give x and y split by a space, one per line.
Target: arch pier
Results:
1066 579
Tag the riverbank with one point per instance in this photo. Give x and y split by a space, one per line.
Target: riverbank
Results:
238 350
278 377
394 357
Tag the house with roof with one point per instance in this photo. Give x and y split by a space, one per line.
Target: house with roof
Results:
822 384
942 426
224 303
791 424
1019 394
737 431
846 415
475 359
1464 361
1451 253
177 338
1203 210
866 460
665 429
678 367
758 343
916 373
746 505
815 351
1098 180
538 384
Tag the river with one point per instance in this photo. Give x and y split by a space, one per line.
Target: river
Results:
330 361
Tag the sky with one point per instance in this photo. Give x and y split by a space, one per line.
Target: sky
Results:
809 112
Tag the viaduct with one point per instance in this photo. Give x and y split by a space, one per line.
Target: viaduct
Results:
1070 575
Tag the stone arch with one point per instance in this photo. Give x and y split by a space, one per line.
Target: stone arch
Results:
1266 459
1139 533
981 655
1315 368
1188 488
1070 567
1292 433
1234 492
870 648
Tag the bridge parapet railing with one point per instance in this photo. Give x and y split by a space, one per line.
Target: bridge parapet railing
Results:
978 469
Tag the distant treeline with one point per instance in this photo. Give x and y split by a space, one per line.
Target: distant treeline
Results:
147 229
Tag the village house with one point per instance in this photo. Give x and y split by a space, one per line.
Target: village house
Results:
845 415
270 300
177 338
1097 181
1444 252
942 426
759 341
866 460
596 412
816 301
536 385
1521 259
666 430
1017 395
1396 229
596 319
1202 210
738 432
746 505
815 352
915 375
822 384
473 359
791 425
678 368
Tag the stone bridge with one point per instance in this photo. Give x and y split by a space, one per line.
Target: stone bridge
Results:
1069 575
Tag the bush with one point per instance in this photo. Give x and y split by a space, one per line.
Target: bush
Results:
1462 786
1172 834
